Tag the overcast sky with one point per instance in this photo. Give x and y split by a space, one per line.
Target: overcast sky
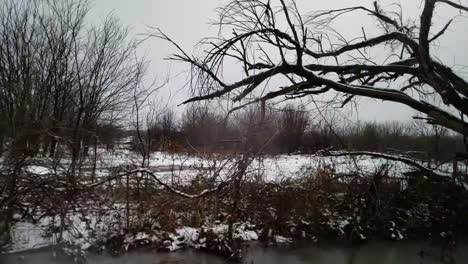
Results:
186 21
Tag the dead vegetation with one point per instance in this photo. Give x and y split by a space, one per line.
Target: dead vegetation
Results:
318 207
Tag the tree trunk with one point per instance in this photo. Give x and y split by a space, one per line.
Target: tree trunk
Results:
52 148
2 138
93 172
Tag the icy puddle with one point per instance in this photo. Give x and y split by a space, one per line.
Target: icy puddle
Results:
382 253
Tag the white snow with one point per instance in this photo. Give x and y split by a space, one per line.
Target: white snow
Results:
17 217
26 236
183 169
281 239
39 170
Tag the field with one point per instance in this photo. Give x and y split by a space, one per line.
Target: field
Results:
283 198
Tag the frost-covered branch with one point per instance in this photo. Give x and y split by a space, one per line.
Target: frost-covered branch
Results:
406 160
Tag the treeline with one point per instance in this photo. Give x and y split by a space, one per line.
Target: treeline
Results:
291 129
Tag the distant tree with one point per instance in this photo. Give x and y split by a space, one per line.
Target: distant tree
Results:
293 124
258 128
432 136
201 126
370 136
163 131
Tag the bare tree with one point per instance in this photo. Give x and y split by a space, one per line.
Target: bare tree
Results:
432 134
201 126
59 79
294 123
106 73
34 66
273 39
258 126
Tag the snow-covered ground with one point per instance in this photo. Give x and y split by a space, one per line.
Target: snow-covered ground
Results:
277 168
272 168
93 229
268 168
84 230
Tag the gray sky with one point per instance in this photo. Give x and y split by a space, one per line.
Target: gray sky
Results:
186 21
